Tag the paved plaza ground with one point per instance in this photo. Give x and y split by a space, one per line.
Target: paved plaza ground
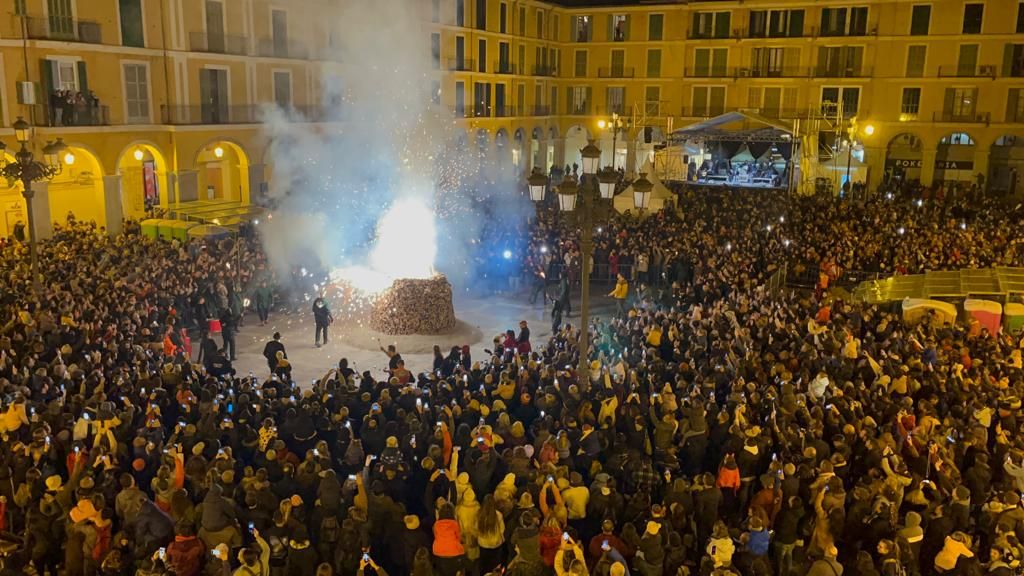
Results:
481 320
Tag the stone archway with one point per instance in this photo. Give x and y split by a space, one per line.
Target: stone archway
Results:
954 158
143 172
903 158
1006 165
222 167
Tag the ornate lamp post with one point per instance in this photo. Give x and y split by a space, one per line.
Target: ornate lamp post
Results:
587 203
27 170
616 123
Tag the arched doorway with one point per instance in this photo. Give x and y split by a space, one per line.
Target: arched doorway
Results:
517 148
501 147
78 189
954 158
536 161
903 158
223 171
1006 165
575 139
143 178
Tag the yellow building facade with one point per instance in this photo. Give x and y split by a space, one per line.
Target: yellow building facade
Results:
160 100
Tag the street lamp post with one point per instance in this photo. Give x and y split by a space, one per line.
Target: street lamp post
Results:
588 201
616 124
27 170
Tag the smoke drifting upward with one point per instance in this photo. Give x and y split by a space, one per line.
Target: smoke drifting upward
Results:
386 145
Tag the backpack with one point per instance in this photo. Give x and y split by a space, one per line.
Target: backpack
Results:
329 530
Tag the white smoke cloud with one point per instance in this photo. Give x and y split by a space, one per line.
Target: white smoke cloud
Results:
332 183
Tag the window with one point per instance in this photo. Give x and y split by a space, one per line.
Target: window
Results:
910 104
540 24
435 92
967 60
973 14
19 8
553 103
833 21
652 100
581 28
654 63
580 67
655 27
504 59
460 99
481 54
460 12
616 100
758 26
858 21
1013 60
1015 105
711 62
960 103
783 23
840 61
555 23
920 20
835 101
522 21
61 21
481 99
708 100
131 23
283 88
579 100
136 91
503 18
618 28
481 14
768 62
710 25
435 50
65 75
915 61
435 11
618 64
460 53
1020 18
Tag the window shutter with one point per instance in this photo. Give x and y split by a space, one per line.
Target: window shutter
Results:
722 25
791 58
701 62
83 78
1011 105
947 105
754 97
1007 59
700 100
796 23
46 85
695 30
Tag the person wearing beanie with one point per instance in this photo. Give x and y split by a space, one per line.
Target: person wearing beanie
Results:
407 543
302 557
827 565
650 554
218 520
467 512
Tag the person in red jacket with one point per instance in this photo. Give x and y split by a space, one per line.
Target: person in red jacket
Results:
729 482
187 553
449 555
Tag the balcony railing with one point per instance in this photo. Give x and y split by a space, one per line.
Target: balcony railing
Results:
459 111
463 65
64 29
765 72
506 112
835 33
706 35
950 116
215 43
82 114
540 110
579 109
503 67
956 71
827 72
246 114
616 72
282 48
703 111
543 70
710 72
619 109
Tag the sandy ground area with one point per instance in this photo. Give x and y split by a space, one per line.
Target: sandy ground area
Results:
479 321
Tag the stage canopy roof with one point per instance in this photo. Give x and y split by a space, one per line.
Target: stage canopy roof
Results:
740 125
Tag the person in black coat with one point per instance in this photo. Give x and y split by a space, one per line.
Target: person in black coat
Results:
322 317
271 349
406 543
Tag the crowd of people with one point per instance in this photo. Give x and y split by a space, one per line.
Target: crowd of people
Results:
721 429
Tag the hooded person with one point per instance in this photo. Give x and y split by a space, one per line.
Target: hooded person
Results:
505 491
720 547
956 546
218 520
302 557
151 530
186 554
466 512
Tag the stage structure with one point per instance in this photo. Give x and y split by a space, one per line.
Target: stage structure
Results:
740 149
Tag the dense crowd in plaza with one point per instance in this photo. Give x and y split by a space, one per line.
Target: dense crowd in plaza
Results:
722 430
